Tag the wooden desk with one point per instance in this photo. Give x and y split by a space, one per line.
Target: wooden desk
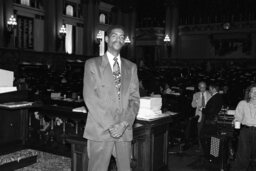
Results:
14 125
156 144
149 147
13 118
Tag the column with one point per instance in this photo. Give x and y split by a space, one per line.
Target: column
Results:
2 26
50 26
60 43
126 23
133 33
114 14
5 14
90 32
174 29
167 27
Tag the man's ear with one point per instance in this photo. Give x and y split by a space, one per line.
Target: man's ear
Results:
106 39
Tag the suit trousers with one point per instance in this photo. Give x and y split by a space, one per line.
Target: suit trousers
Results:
99 154
199 129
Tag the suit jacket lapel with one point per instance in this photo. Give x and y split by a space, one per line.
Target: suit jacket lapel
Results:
125 77
106 73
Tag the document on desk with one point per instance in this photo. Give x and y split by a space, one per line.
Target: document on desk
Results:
80 109
16 104
7 89
149 117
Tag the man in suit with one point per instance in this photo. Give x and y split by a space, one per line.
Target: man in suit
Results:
209 124
210 114
199 101
111 94
213 106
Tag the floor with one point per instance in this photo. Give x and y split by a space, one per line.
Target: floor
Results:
51 162
181 160
178 161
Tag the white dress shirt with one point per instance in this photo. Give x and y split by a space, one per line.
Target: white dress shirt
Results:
111 60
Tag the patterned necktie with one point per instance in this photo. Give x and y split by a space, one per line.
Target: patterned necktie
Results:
117 76
203 100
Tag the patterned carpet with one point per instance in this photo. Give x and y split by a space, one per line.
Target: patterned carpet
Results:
49 162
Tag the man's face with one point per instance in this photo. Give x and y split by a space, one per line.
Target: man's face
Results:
202 87
115 40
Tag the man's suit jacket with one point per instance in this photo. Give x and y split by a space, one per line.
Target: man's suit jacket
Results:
213 107
197 103
101 98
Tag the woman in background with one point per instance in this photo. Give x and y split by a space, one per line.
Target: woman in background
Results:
246 115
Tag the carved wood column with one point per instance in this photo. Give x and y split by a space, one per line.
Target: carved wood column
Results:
50 26
133 33
167 27
174 29
90 7
2 25
60 43
171 27
5 14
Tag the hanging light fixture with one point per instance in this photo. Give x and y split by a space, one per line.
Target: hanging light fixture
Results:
127 40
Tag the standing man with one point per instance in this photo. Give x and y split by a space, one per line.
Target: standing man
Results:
199 102
111 94
210 114
209 124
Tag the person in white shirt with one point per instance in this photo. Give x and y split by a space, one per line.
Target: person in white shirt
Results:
199 102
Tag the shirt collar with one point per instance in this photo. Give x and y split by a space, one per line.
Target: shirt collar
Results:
214 93
111 57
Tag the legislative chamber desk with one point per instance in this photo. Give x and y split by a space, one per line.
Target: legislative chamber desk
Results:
13 118
149 147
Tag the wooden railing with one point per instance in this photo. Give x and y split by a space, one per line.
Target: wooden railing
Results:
11 58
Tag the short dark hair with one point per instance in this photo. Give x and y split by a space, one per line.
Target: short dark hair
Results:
112 27
215 86
247 92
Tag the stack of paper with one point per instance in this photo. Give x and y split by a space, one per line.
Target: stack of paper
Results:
150 107
16 104
154 103
6 81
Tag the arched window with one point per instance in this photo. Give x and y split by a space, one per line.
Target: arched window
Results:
102 42
70 10
102 18
69 39
25 2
